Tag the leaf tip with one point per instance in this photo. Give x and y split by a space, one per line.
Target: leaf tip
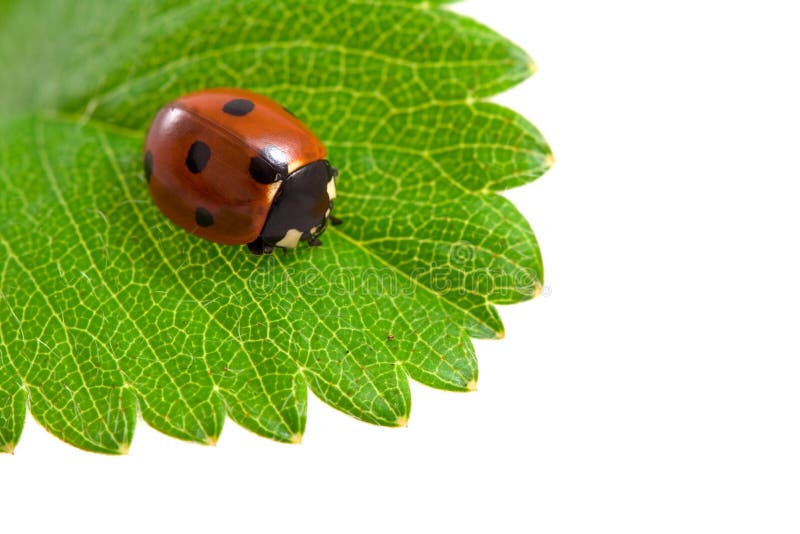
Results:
472 385
533 68
537 289
401 421
124 449
500 334
8 448
296 438
211 441
549 160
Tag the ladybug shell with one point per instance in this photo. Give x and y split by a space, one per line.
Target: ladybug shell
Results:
215 160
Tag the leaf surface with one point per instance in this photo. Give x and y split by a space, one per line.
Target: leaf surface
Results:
108 310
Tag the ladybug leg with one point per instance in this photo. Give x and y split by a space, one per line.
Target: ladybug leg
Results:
335 221
258 247
314 242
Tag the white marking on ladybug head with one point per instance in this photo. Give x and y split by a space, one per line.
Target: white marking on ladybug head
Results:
327 213
331 189
291 239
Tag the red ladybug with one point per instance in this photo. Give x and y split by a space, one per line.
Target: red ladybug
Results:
235 167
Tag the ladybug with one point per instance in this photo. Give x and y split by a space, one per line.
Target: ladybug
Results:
235 167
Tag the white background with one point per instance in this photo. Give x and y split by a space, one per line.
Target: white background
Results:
656 388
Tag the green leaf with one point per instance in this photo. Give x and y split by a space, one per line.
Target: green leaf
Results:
108 310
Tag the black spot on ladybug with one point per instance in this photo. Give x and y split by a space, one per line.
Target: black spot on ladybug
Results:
148 165
238 107
199 154
262 172
203 217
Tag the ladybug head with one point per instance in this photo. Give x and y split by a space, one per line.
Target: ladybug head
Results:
302 208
